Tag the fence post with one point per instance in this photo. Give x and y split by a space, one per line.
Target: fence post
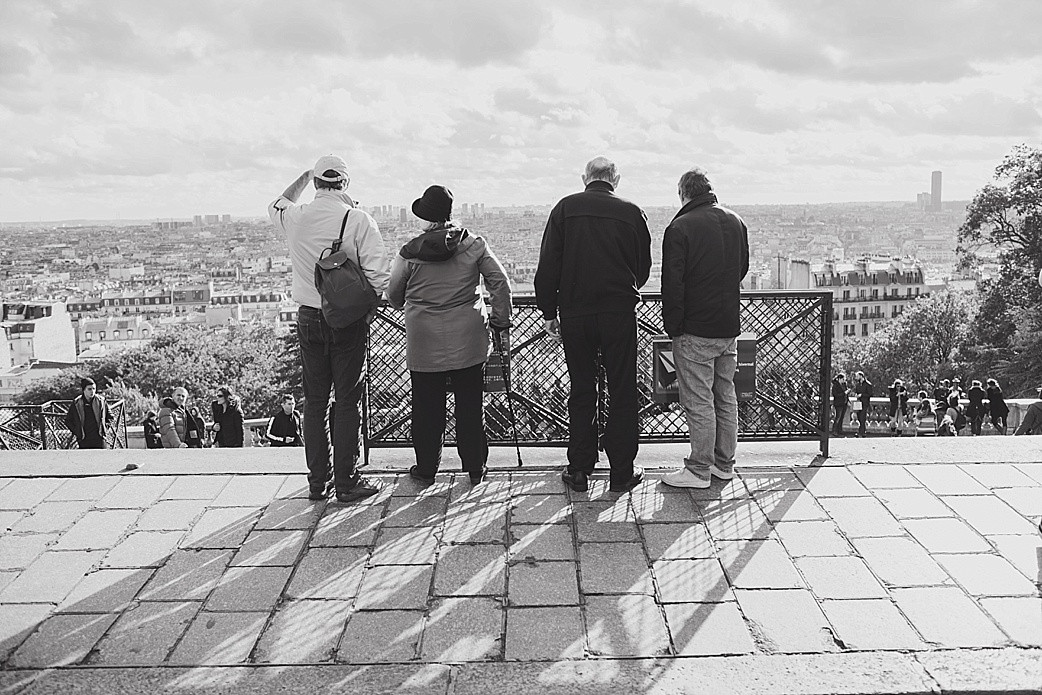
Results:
826 373
43 426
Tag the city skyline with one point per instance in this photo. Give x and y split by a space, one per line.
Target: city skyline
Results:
140 111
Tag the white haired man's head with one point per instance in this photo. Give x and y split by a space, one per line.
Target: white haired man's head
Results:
601 169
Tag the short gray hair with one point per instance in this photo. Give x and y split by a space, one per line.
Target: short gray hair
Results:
601 169
694 183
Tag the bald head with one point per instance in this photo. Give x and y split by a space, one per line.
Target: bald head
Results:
601 169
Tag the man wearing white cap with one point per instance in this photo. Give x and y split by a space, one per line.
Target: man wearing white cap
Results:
331 358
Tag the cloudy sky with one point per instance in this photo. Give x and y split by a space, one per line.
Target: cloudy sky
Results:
144 109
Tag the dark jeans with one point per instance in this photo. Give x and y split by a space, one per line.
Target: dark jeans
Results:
841 412
615 335
333 360
428 418
862 420
976 425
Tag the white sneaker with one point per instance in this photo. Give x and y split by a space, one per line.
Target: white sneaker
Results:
721 474
685 478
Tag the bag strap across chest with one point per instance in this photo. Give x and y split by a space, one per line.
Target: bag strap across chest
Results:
335 246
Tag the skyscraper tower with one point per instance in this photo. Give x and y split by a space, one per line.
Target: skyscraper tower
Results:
935 191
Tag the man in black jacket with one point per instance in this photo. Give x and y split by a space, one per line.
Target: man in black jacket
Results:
705 256
88 417
595 257
284 426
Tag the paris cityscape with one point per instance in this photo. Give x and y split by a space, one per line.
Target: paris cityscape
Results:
118 283
827 480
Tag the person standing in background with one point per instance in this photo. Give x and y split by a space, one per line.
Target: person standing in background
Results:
227 419
862 401
840 394
284 427
88 417
997 407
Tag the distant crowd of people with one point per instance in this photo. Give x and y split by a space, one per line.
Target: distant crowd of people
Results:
181 425
941 412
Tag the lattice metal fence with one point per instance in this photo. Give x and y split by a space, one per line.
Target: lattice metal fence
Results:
27 427
793 331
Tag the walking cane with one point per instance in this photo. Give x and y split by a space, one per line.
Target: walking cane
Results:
504 356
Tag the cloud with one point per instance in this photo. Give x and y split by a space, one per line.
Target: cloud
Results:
522 101
882 41
979 113
14 59
93 35
468 33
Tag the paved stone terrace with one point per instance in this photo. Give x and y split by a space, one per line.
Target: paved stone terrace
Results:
852 577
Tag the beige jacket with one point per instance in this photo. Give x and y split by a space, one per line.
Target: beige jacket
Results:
446 321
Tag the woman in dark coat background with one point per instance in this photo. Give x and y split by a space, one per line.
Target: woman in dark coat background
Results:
150 426
227 419
976 410
839 401
863 396
997 407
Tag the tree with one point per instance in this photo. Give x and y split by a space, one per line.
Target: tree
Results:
290 371
921 346
244 357
1007 214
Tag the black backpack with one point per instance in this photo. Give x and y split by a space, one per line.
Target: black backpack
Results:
346 294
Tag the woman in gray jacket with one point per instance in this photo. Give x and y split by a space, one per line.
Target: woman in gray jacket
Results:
437 278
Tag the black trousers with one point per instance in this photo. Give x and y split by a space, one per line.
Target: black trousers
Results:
428 418
614 335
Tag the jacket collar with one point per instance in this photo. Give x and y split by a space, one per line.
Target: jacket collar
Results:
707 198
598 185
341 196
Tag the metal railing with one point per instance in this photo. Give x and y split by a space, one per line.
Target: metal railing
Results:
30 427
793 330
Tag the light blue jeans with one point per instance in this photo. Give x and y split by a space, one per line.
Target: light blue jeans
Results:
705 372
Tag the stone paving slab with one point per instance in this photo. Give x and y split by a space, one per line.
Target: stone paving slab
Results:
463 629
208 570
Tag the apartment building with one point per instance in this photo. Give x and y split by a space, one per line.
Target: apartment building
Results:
36 331
100 335
867 293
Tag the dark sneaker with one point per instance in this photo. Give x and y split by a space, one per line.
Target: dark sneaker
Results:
322 492
415 474
362 489
476 478
634 481
579 481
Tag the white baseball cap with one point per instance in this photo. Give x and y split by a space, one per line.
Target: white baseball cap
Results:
330 162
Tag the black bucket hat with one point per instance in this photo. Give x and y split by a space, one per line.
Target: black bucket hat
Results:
435 205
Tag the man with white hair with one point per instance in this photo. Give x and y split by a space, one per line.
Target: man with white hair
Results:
332 358
595 257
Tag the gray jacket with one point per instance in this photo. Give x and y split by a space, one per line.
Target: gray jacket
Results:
437 279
